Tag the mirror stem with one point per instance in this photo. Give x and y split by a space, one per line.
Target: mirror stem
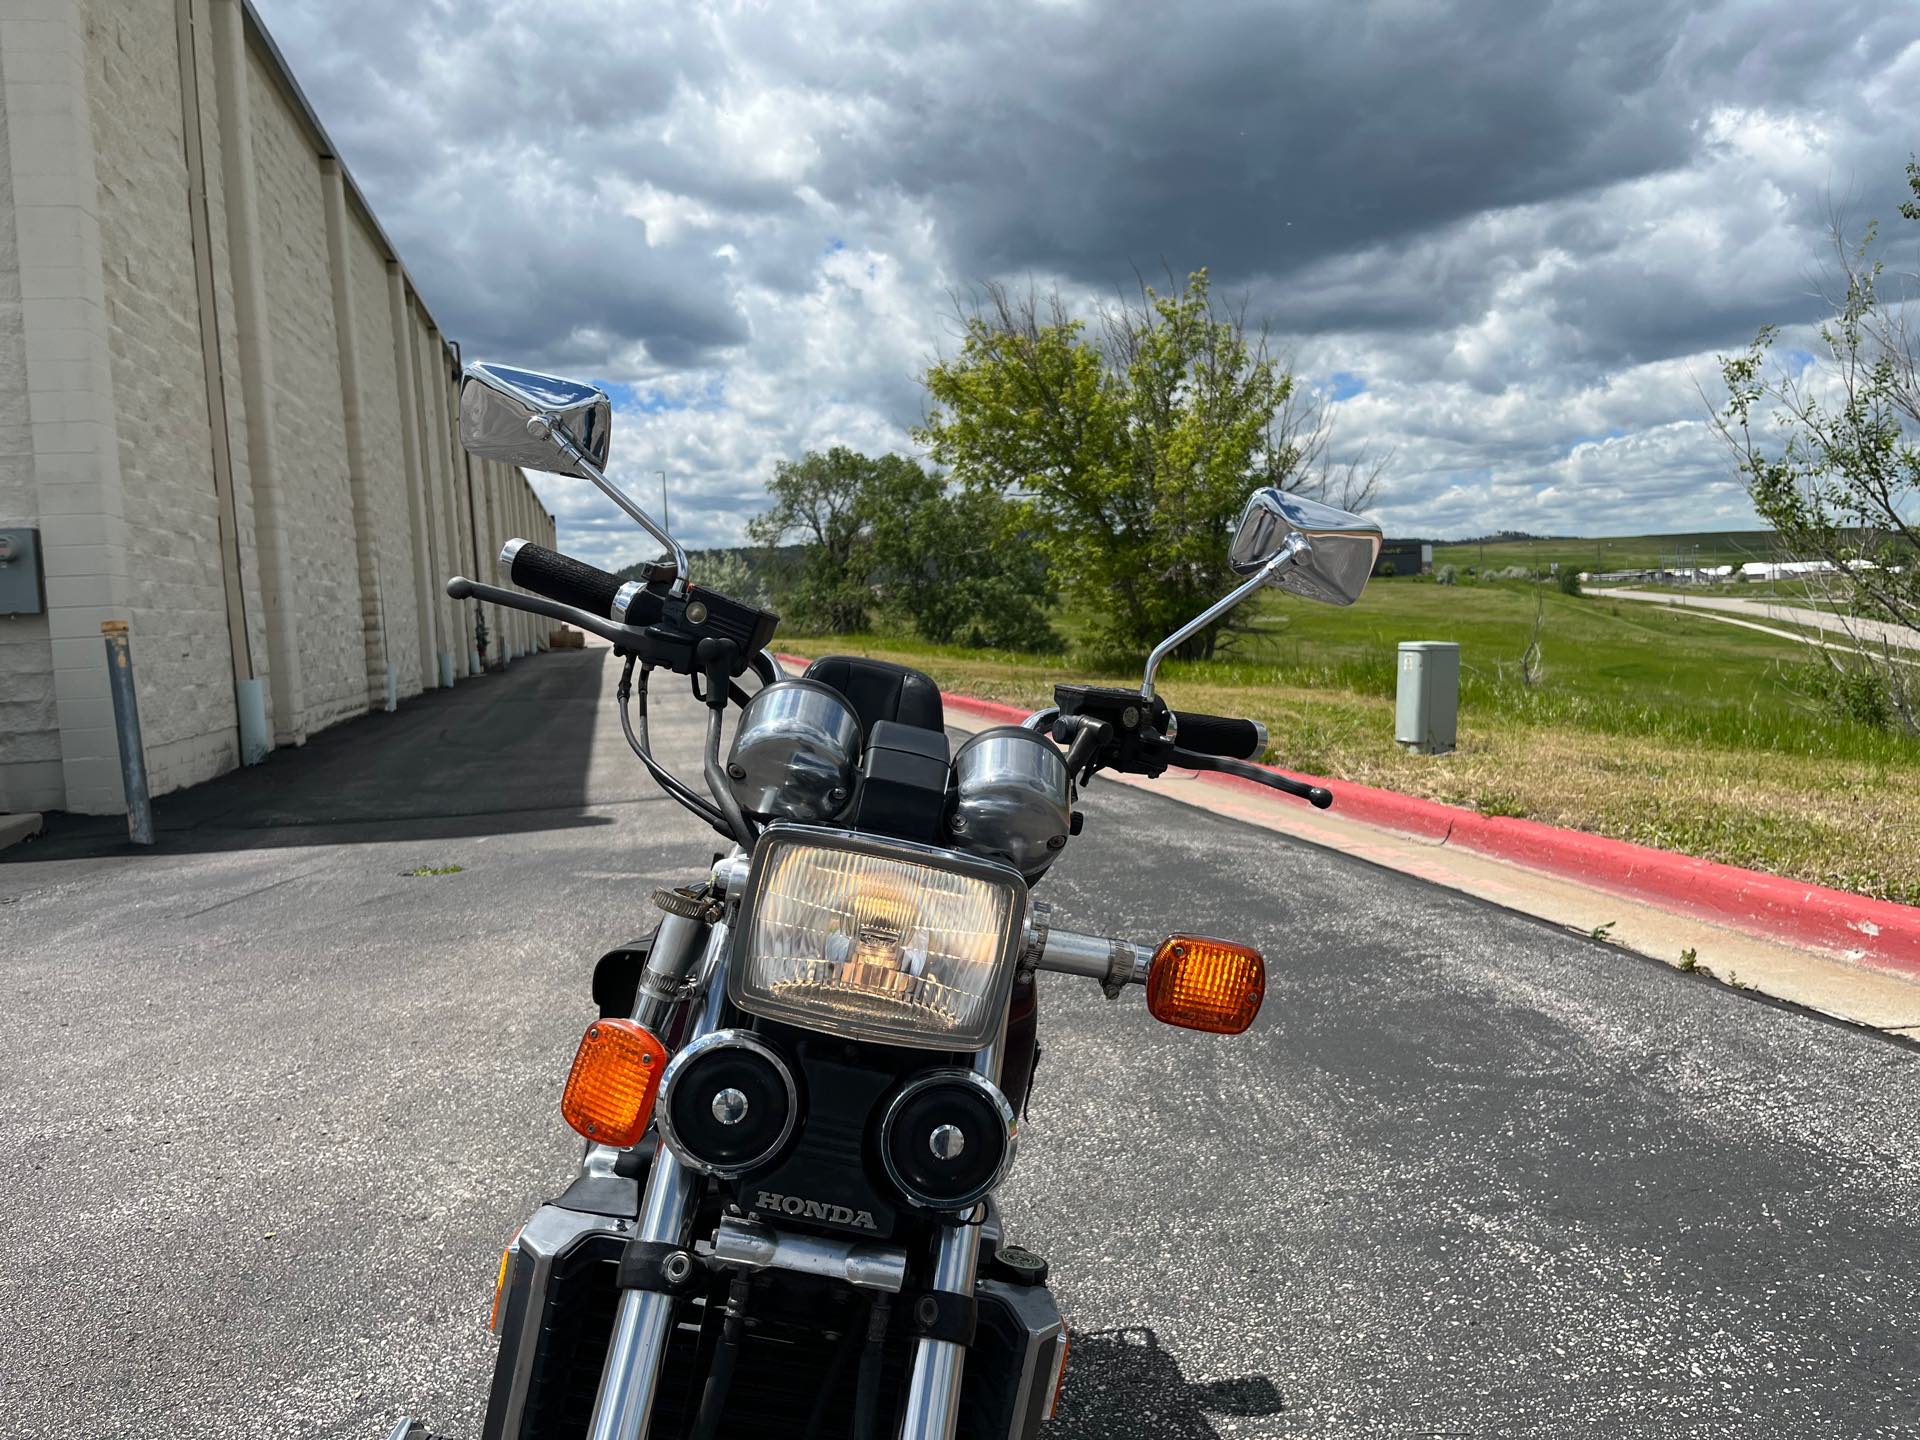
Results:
539 425
1296 545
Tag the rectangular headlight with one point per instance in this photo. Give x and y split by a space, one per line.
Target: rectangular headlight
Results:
876 940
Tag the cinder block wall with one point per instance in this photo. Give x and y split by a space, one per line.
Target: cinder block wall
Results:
29 725
176 583
392 606
307 408
125 433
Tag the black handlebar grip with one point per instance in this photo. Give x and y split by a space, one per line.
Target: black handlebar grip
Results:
560 577
1219 735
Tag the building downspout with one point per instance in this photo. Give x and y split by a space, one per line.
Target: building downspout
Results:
253 740
256 369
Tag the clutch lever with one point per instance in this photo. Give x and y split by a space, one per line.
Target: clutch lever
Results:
1315 795
625 637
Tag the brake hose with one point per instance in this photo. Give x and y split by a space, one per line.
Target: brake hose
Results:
664 778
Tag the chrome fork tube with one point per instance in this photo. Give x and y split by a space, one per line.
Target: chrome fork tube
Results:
676 947
933 1391
624 1407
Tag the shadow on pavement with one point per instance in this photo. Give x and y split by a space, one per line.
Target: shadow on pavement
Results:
1121 1383
503 752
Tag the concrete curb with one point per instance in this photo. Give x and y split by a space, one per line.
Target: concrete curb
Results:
1875 933
16 828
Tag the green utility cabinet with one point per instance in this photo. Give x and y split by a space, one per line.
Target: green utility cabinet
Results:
1427 703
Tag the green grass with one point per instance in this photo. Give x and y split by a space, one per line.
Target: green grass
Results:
1651 724
420 871
1619 552
1617 666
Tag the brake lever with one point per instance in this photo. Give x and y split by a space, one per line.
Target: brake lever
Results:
1315 795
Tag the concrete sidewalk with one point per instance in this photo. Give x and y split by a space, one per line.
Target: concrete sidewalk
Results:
1829 984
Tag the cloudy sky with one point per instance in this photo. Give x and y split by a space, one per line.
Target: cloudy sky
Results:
1505 240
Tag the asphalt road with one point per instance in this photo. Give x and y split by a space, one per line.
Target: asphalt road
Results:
1848 627
269 1106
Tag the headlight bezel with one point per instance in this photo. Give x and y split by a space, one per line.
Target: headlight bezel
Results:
992 1004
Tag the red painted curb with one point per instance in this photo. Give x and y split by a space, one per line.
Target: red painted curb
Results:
1877 933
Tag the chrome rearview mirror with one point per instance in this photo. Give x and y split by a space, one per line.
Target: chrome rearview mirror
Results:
516 416
1291 543
1331 551
545 422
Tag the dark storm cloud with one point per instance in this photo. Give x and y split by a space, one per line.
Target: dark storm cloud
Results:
1264 141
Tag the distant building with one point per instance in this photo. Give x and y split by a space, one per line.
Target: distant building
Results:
1404 557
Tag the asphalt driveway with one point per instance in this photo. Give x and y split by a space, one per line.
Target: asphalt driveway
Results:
270 1104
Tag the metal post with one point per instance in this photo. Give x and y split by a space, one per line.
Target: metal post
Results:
126 725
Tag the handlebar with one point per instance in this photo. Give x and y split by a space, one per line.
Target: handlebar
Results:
560 577
1217 735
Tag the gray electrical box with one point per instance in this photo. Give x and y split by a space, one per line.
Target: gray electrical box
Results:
1427 703
22 590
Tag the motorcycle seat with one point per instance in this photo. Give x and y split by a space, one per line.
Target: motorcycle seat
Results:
878 690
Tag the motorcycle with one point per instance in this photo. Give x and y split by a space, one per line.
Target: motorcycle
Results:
804 1087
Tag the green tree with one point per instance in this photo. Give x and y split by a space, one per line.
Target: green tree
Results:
1830 458
1129 445
885 531
732 573
818 499
959 566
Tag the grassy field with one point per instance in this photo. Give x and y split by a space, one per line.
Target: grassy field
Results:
1619 552
1650 724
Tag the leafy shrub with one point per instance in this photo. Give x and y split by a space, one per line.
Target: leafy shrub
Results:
1568 579
1446 575
1859 693
1387 572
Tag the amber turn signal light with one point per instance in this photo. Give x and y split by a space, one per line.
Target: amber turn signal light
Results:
500 1282
1202 984
615 1077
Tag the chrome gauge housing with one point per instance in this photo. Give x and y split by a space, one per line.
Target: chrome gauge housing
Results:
1010 799
795 754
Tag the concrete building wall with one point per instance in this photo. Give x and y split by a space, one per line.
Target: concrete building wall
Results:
176 583
323 580
142 307
29 720
382 437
